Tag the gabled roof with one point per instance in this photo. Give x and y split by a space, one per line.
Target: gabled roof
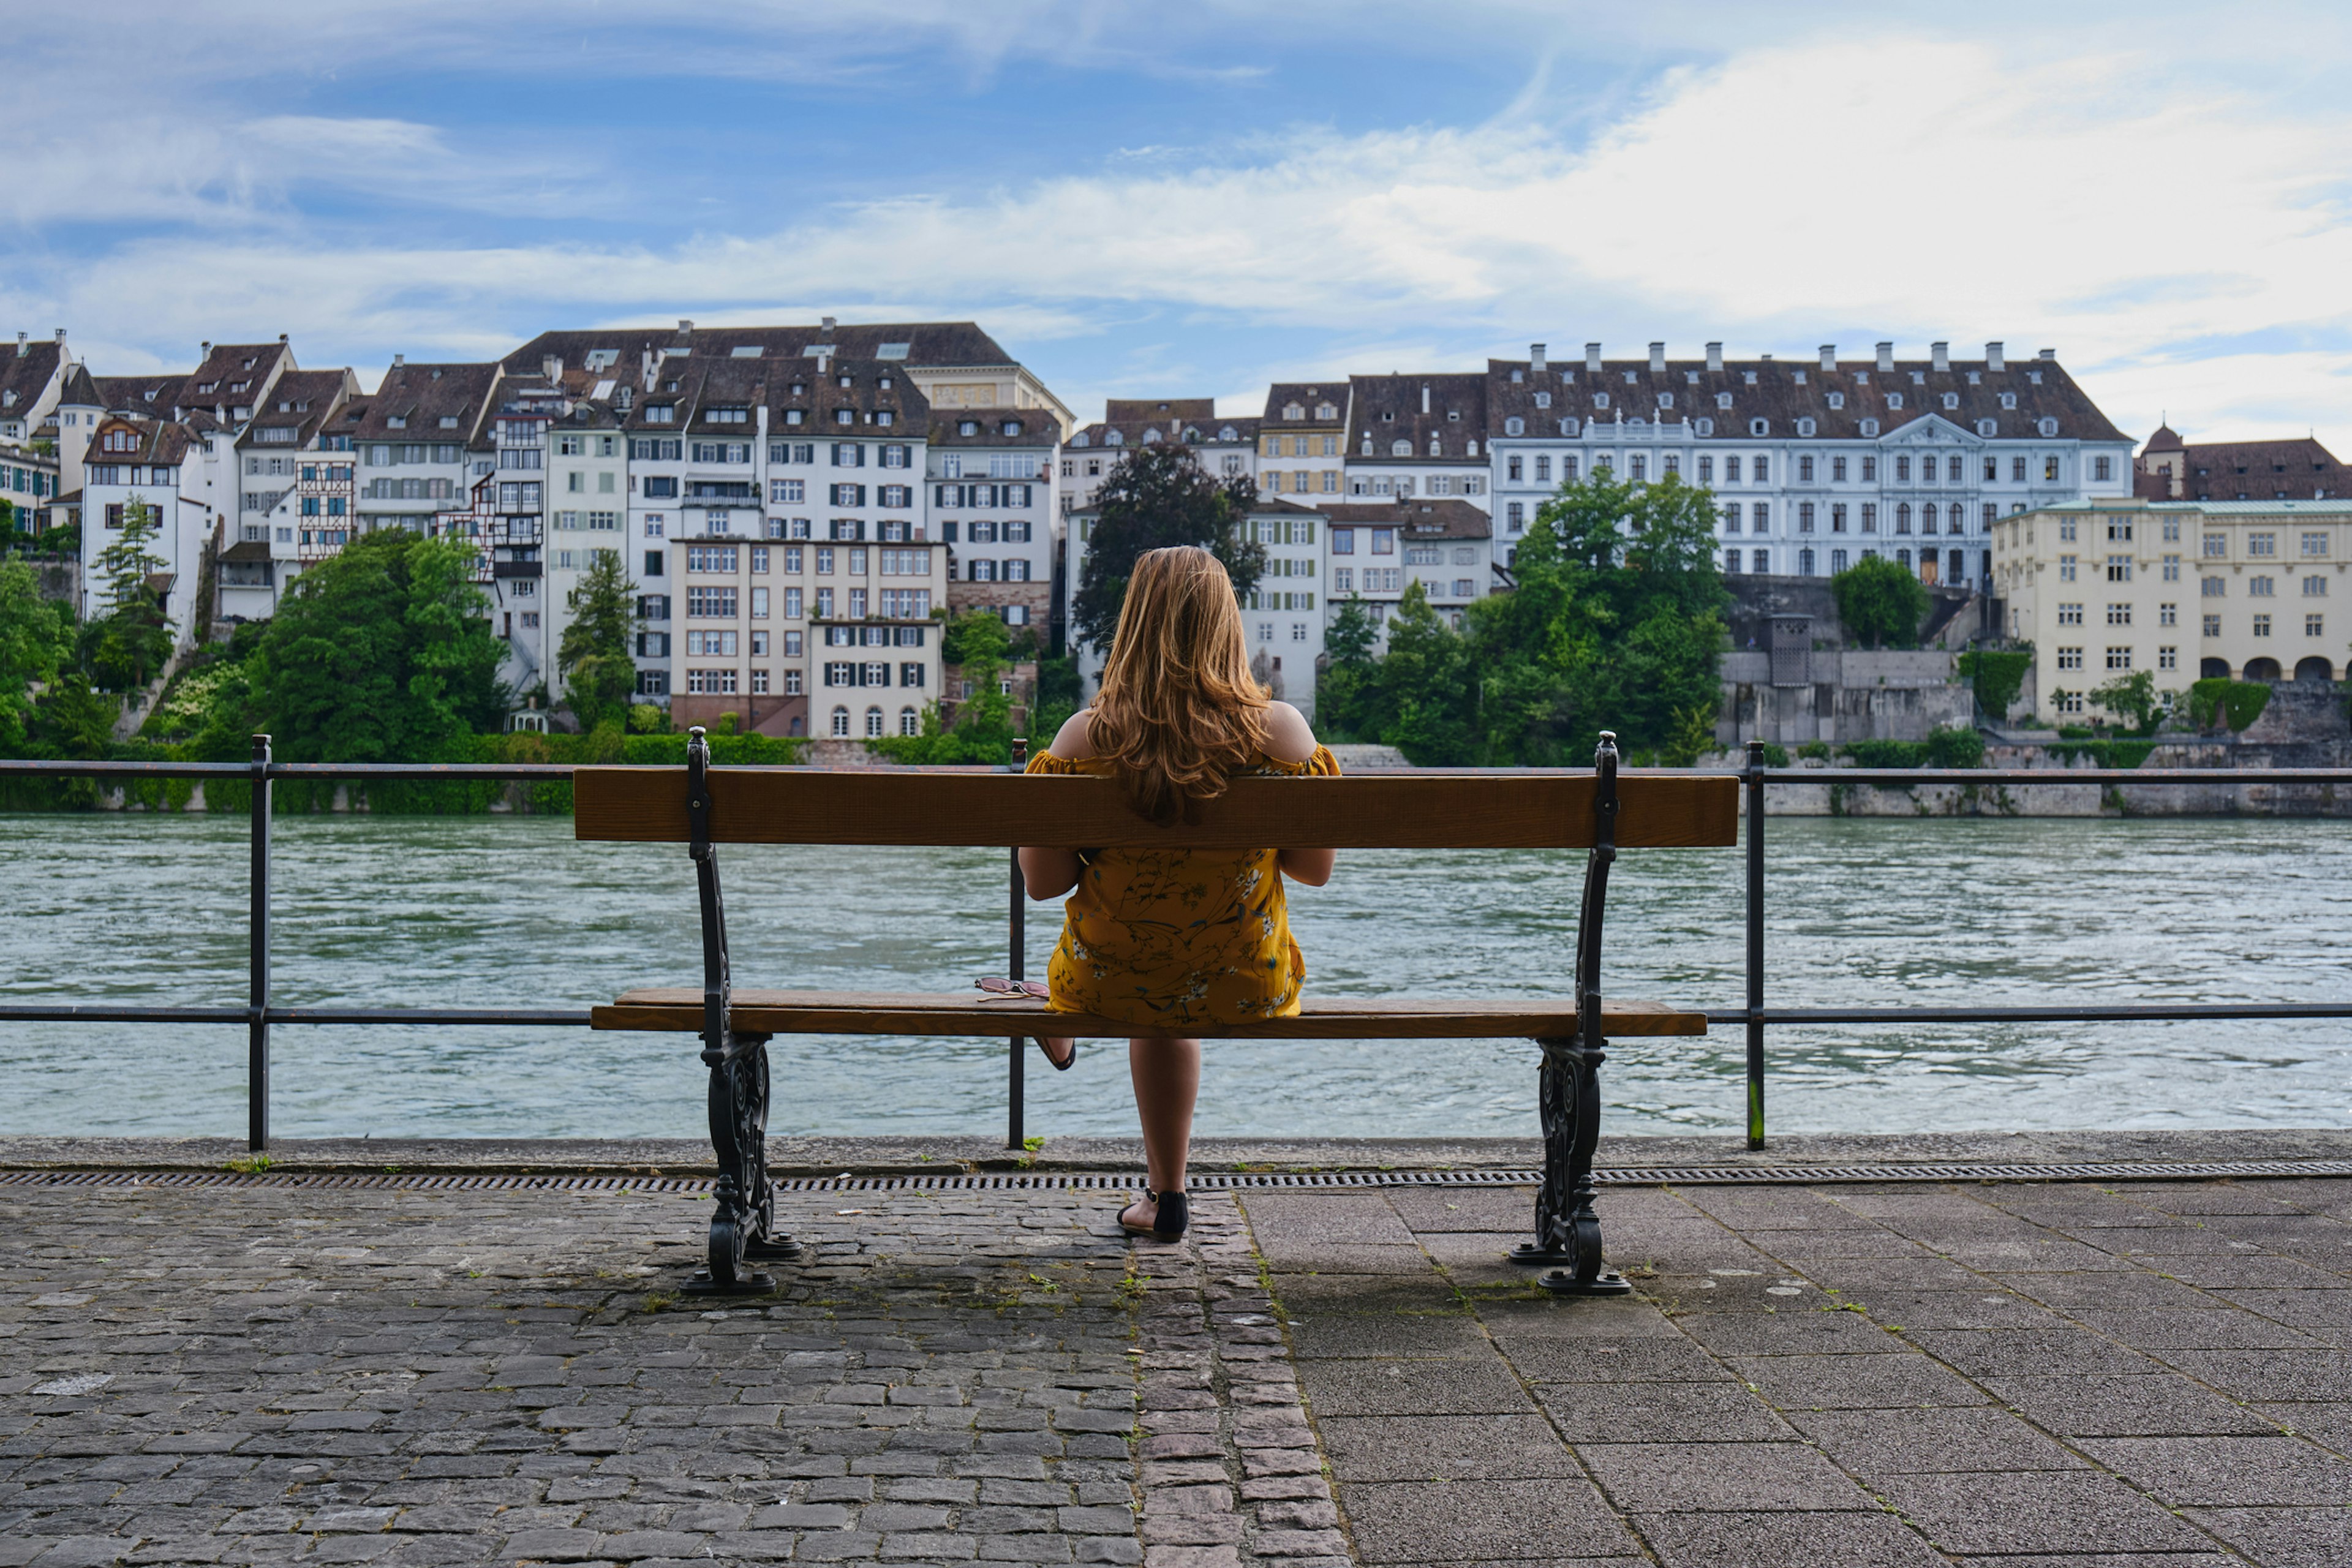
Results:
1415 519
424 396
1389 408
1158 410
1030 427
304 399
1209 432
2261 470
25 370
149 396
164 443
233 376
1782 392
1308 397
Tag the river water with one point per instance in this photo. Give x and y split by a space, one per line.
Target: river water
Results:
509 912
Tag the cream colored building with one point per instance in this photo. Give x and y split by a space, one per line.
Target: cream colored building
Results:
2254 590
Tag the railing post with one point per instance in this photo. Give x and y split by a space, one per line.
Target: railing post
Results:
257 984
1755 779
1017 1086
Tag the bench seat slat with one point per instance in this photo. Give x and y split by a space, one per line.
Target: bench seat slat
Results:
1529 808
679 1009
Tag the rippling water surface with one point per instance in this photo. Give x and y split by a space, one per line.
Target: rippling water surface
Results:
509 911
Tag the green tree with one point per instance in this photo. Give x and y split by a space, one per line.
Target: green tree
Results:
976 641
127 645
593 656
1880 603
2133 698
34 646
1999 675
381 653
1156 496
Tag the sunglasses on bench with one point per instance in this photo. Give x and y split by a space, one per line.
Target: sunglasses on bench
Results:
998 986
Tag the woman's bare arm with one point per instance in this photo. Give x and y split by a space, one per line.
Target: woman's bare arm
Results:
1290 739
1050 873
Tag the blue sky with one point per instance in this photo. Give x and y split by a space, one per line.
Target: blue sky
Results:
1198 199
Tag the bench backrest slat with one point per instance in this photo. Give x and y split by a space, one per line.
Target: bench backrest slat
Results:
1513 810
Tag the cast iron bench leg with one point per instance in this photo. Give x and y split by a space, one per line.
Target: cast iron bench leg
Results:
1575 1228
743 1211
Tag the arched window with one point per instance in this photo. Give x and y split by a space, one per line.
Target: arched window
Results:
1902 524
909 722
1927 518
1514 426
840 723
1150 435
1804 563
1293 412
1113 439
1401 448
874 723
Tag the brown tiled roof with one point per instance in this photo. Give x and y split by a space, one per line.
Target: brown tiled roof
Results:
928 343
1038 427
305 399
162 442
233 375
24 376
1275 506
150 396
1308 395
424 395
1206 432
1158 410
1785 391
2296 469
1417 519
2166 439
1389 407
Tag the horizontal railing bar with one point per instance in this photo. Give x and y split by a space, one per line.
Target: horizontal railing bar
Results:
2121 1012
561 772
105 1013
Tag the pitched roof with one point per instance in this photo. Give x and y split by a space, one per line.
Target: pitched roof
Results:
1782 392
1034 428
232 377
926 344
2261 470
433 402
1160 410
25 374
150 396
1415 518
162 442
304 399
1390 408
2166 439
1209 432
1307 397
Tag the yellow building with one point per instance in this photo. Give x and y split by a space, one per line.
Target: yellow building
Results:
2188 590
1301 441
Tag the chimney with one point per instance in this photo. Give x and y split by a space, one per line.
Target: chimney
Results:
1715 357
399 360
281 337
204 351
1536 358
21 345
828 326
551 367
1994 358
684 326
1940 356
1425 397
1828 356
1886 359
1592 359
2049 356
61 336
1657 359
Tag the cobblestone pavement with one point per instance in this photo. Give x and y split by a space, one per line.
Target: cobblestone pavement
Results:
2002 1375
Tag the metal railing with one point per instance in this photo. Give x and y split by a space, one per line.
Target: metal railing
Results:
258 1015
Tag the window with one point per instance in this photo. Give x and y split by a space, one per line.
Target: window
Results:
712 644
1805 517
2070 659
1837 517
2213 625
2312 625
1731 470
713 682
840 715
2217 545
710 602
2172 568
2168 658
711 558
1870 517
2261 625
2119 614
1760 561
1731 517
1343 541
2070 615
2261 587
1870 470
1384 542
1805 470
2049 463
2314 587
1706 469
2216 587
2103 467
2314 545
2168 614
2066 568
2262 544
2119 568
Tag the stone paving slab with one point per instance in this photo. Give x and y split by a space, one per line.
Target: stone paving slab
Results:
1846 1375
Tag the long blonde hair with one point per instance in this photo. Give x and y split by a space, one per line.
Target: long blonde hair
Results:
1179 712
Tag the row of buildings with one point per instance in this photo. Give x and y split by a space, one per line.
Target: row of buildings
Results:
797 506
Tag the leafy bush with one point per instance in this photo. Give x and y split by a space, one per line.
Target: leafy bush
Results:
1886 754
1998 675
1954 748
1777 755
1819 749
2237 702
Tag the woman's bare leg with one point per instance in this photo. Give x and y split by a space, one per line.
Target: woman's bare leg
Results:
1167 1077
1057 1050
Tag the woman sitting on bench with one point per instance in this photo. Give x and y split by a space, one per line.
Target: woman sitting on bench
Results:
1173 938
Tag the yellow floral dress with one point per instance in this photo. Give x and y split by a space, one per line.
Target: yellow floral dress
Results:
1179 937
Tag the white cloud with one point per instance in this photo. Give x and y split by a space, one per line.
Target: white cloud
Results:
2047 188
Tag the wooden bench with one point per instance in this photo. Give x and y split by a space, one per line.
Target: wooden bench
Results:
702 807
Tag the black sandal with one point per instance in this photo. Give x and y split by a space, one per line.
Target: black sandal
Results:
1065 1064
1169 1217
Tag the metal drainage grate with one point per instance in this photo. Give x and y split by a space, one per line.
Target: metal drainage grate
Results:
1202 1181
